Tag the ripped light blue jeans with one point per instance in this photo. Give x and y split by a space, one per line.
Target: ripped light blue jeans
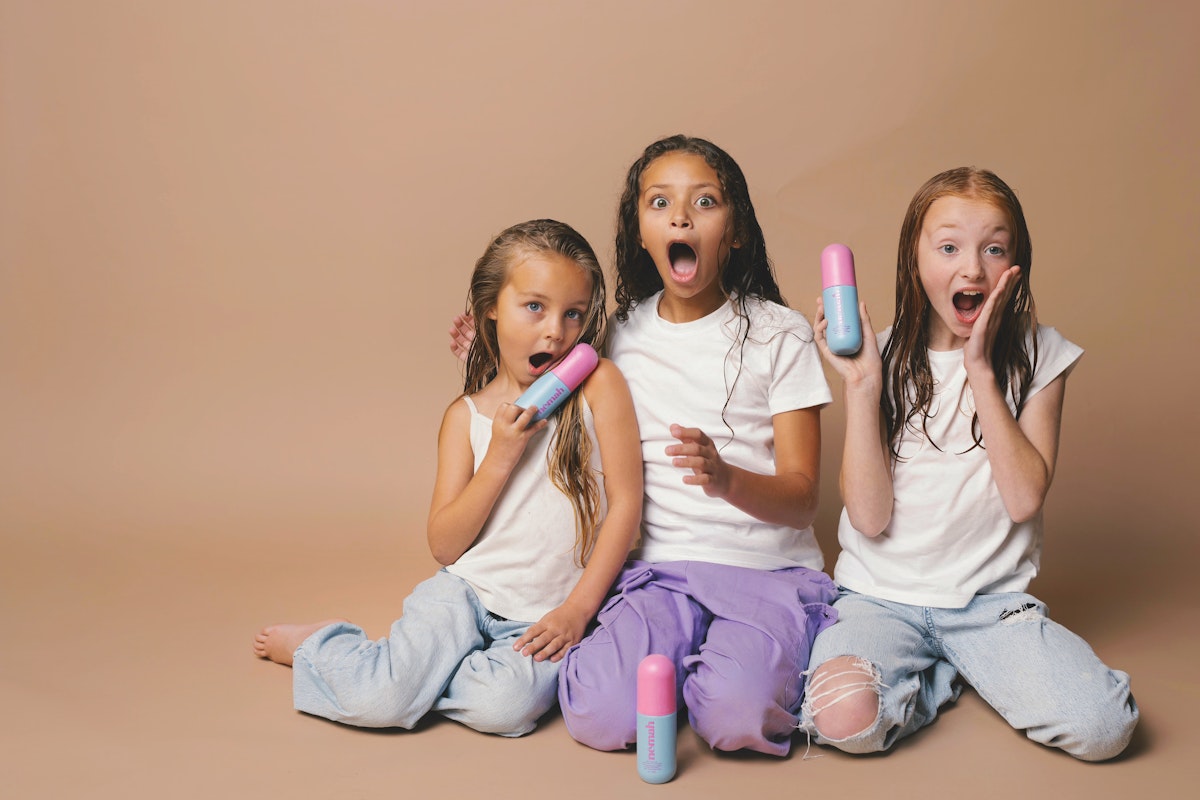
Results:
1039 676
447 654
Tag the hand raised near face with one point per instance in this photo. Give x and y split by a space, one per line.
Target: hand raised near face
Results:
511 432
864 364
977 353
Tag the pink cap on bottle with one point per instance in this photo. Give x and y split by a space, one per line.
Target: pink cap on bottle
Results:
837 266
656 686
578 364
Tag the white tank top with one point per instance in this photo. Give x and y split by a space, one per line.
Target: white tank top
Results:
522 565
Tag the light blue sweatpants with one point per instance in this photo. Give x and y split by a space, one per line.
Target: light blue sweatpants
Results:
1041 677
447 654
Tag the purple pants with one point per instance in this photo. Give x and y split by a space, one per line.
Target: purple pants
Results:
739 639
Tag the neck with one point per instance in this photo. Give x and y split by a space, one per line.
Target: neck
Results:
677 309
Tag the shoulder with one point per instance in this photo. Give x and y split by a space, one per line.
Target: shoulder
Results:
457 415
770 312
607 395
642 309
1056 354
1055 349
1050 338
605 381
772 318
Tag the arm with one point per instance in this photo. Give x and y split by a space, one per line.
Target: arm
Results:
463 496
1023 453
866 478
789 497
621 459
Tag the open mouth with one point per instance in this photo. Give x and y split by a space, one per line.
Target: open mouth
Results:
538 362
683 260
968 304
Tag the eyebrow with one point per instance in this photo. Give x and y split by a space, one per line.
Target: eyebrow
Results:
955 227
692 186
532 294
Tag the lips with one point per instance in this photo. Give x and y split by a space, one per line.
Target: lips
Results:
683 261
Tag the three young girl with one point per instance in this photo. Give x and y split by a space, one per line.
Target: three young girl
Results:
952 431
532 521
951 441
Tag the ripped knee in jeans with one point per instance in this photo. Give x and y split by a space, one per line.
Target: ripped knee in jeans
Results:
842 697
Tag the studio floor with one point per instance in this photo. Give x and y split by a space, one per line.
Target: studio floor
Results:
128 673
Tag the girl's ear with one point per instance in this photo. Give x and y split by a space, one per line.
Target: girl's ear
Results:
491 313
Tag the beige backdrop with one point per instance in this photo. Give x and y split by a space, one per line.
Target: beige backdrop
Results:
232 235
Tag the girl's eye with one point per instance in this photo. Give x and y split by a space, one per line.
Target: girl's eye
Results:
658 202
995 250
574 315
534 306
948 249
706 202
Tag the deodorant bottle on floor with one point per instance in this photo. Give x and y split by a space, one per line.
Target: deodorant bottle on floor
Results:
656 719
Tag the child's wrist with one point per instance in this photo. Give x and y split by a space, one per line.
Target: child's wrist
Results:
496 463
868 386
979 372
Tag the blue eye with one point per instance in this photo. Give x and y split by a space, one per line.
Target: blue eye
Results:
534 306
995 250
948 249
574 315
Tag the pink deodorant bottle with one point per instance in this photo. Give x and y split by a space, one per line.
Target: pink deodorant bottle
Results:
656 719
840 296
550 390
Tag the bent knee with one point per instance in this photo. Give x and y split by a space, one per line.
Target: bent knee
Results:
594 706
599 725
1103 735
842 698
511 720
732 715
365 712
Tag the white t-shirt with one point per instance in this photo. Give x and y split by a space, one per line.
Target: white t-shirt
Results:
523 563
950 537
700 374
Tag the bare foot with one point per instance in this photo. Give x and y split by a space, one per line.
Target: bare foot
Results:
278 642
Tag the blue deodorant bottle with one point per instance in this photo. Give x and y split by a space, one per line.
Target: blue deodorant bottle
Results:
840 296
656 719
550 390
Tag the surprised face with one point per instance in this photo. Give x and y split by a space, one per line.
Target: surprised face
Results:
964 248
540 314
687 227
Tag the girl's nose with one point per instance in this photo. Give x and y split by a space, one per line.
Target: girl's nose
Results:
680 218
972 266
553 329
